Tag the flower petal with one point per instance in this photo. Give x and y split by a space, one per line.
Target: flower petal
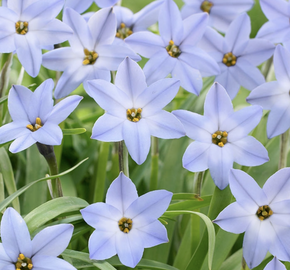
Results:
281 210
13 130
249 152
275 264
123 15
22 143
282 66
15 235
50 263
278 120
106 3
49 134
121 193
137 139
79 6
274 10
4 258
52 240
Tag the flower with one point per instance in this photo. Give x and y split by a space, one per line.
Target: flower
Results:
275 264
35 119
175 51
263 214
29 27
221 13
237 55
133 111
277 29
274 96
81 6
126 223
91 55
221 137
18 251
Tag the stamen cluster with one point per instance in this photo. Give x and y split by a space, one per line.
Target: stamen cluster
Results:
23 263
90 57
264 212
123 31
21 27
206 6
134 115
173 50
125 224
36 126
220 138
229 59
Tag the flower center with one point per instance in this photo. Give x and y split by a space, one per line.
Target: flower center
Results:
90 57
125 224
206 6
229 59
123 31
36 126
21 27
23 263
134 115
264 212
173 50
220 138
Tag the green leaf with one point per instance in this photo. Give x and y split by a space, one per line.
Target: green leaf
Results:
8 177
210 230
73 131
192 204
3 99
52 209
13 196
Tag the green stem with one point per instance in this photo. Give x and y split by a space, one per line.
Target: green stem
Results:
123 158
284 150
101 172
54 185
198 177
154 164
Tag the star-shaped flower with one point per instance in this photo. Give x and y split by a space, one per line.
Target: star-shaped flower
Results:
221 13
237 55
275 264
91 55
175 51
221 137
126 223
35 119
274 96
18 251
133 111
277 29
30 25
263 214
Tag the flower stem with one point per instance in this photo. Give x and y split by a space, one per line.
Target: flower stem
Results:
198 177
123 158
154 164
284 150
54 185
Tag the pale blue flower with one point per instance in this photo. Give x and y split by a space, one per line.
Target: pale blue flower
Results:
274 96
126 224
35 119
262 213
91 55
237 55
175 52
275 264
221 137
133 110
30 26
18 251
221 13
82 5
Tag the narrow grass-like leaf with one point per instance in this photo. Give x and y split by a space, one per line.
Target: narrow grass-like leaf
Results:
3 99
73 131
190 204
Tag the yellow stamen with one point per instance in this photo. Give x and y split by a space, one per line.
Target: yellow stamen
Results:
135 120
21 256
134 115
125 224
214 136
171 42
86 62
30 266
221 144
90 57
30 127
122 25
38 121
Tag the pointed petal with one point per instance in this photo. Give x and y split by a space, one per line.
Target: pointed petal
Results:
246 189
249 152
275 264
22 143
281 210
108 128
52 240
242 122
106 3
121 193
153 234
15 235
157 96
13 130
282 65
220 161
130 78
218 105
197 127
165 125
137 139
129 248
103 26
278 121
102 245
79 6
274 10
190 78
148 207
50 263
123 15
4 258
7 41
49 134
234 218
195 158
170 22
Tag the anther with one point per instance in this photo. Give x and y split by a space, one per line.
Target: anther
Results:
21 27
134 115
172 49
123 31
264 212
229 59
36 126
220 138
125 224
90 57
206 6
